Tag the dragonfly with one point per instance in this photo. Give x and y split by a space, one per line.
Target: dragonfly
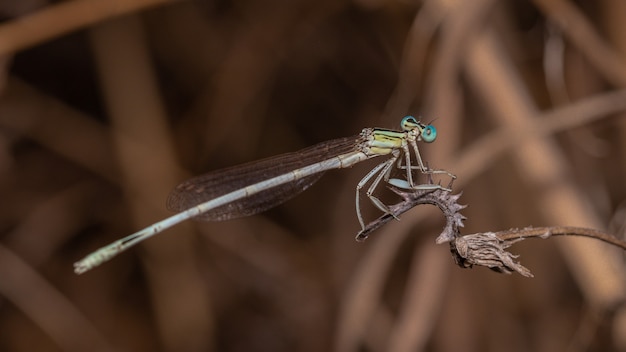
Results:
257 186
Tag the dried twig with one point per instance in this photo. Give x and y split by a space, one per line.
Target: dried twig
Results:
440 197
542 164
488 248
485 248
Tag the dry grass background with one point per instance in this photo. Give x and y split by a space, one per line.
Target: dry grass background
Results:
106 105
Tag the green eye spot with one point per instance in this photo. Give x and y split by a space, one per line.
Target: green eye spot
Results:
429 133
408 123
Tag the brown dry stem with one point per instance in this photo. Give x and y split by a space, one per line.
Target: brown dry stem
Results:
488 248
485 248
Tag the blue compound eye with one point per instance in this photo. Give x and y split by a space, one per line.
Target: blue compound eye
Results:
408 123
429 133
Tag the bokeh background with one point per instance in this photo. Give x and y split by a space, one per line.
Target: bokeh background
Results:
106 105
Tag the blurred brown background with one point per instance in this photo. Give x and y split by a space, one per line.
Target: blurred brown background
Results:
106 105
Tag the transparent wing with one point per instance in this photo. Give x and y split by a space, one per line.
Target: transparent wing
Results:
203 188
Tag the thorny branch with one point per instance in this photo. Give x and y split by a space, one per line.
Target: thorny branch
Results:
441 198
483 248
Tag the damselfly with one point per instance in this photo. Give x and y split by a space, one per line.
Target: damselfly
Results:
260 185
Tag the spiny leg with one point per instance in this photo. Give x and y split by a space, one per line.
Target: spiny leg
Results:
360 185
382 175
407 163
380 170
423 168
422 187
